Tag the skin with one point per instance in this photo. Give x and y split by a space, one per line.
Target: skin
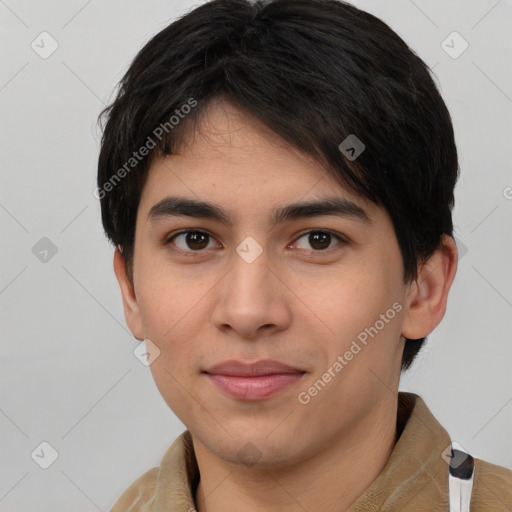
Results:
293 304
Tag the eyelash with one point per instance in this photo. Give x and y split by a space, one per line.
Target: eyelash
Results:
167 242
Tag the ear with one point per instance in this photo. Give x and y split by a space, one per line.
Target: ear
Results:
428 295
131 308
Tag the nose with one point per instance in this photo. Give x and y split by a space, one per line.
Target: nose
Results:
252 300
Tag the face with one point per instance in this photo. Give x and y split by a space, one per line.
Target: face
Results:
321 294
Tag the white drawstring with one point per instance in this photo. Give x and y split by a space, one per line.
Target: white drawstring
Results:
460 480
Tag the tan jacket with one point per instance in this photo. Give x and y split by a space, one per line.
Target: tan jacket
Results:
415 478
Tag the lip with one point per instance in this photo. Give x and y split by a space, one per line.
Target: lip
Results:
258 368
253 381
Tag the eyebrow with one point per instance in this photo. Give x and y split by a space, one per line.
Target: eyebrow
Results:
181 206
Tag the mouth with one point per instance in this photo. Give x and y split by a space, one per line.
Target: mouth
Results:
253 381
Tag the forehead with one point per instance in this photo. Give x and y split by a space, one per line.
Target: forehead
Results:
230 135
234 159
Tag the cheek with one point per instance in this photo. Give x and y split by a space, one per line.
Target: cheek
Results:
346 303
361 307
167 299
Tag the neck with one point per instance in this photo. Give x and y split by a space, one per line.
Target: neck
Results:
332 479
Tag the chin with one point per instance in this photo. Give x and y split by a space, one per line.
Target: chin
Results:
252 448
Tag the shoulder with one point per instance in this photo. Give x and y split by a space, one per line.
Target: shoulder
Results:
492 487
139 494
168 482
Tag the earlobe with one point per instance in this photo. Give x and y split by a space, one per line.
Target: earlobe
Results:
426 303
130 306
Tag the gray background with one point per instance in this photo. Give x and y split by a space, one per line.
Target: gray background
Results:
68 375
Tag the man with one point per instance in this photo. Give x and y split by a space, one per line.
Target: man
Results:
278 181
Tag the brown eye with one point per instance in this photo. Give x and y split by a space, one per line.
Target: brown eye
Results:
196 240
319 240
190 241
